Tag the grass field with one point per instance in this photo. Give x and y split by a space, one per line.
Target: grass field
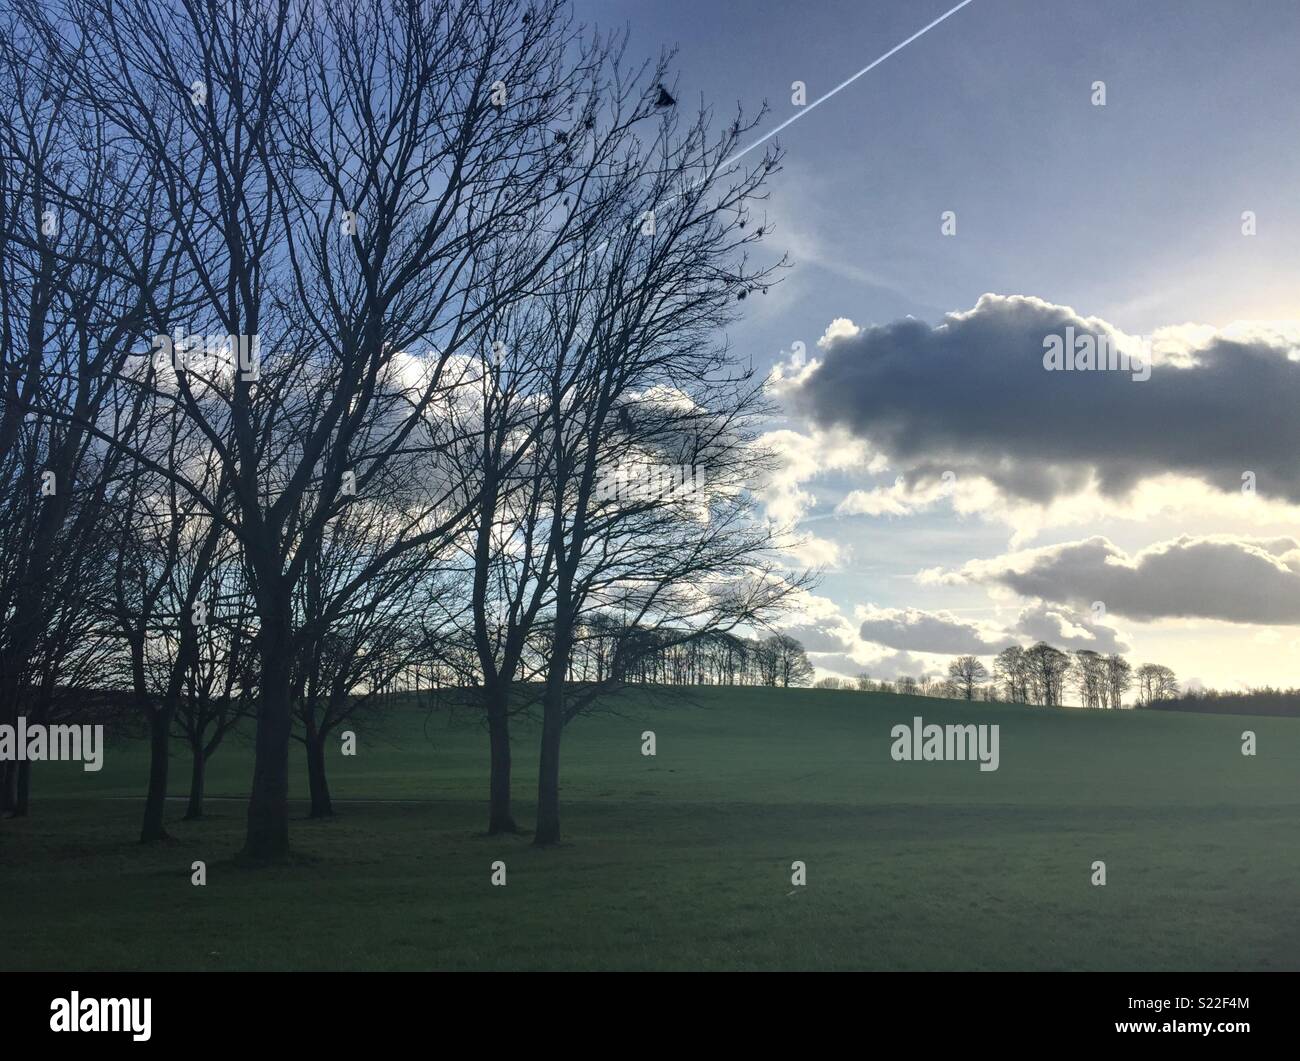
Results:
684 860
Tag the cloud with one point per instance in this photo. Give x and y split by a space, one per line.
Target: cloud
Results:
1067 629
839 328
919 631
942 633
1165 497
809 552
833 644
798 459
1235 580
887 666
817 623
971 396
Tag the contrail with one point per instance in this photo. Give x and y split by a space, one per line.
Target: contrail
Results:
846 83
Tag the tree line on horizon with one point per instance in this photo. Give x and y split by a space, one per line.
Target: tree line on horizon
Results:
1020 675
1042 675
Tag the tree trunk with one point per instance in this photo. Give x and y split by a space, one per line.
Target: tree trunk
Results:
500 819
553 705
321 807
155 802
268 803
194 809
548 774
8 716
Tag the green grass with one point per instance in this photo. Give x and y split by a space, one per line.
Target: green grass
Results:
683 860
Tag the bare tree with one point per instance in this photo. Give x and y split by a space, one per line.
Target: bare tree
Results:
790 667
1155 682
349 652
1119 677
965 674
1047 668
166 545
1089 673
639 314
333 189
1011 670
83 256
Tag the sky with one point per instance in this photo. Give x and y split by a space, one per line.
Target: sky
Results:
955 493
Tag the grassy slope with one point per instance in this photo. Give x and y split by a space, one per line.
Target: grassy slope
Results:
683 860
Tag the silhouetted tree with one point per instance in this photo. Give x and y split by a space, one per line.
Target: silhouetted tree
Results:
789 661
1047 668
1155 682
1011 669
1119 676
965 674
1089 672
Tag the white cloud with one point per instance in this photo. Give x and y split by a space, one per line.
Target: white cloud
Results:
839 328
800 458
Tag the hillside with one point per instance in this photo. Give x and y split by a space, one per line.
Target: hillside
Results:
684 859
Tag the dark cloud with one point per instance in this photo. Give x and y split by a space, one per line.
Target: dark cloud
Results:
1236 580
939 632
919 631
971 395
820 638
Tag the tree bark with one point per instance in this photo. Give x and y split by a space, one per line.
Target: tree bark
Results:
155 802
548 775
321 807
553 706
194 809
268 804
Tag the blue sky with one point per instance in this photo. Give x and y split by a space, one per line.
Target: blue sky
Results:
1129 214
